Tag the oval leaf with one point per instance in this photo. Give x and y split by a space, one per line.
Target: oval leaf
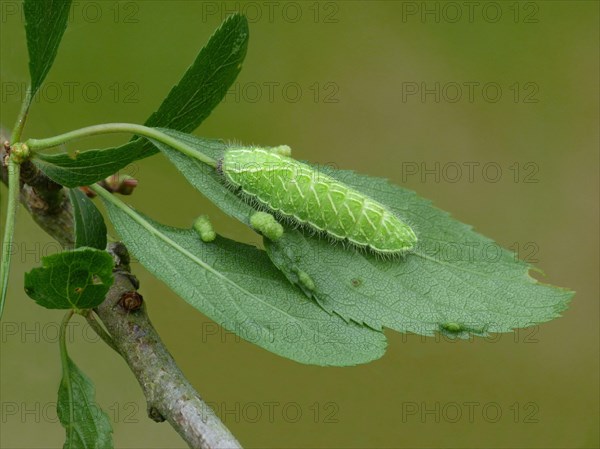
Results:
457 281
76 279
238 287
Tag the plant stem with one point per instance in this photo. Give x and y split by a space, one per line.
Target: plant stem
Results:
62 340
168 392
21 118
14 171
64 360
108 128
97 327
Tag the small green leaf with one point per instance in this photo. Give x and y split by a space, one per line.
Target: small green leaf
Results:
87 426
201 89
76 279
424 292
90 229
45 24
238 287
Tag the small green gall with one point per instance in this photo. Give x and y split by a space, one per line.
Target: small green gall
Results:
305 280
266 224
452 327
204 228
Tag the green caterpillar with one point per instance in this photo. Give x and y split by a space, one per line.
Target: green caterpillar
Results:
295 191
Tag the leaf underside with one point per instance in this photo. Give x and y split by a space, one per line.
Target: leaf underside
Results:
237 286
457 281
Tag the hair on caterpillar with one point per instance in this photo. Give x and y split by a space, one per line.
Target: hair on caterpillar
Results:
272 182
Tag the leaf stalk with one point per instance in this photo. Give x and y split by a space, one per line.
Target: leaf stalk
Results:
14 171
111 128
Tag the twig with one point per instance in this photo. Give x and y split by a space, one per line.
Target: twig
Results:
169 394
46 201
97 327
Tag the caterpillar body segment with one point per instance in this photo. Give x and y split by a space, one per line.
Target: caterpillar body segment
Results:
296 191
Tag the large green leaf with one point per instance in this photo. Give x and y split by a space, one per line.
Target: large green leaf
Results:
90 229
45 24
201 89
77 279
87 426
238 287
457 281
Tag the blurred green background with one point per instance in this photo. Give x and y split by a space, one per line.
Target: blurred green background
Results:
346 84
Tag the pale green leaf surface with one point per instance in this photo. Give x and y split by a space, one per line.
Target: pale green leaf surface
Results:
457 281
87 426
77 279
90 229
238 287
45 24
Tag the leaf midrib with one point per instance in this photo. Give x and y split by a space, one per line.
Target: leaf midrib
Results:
150 228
